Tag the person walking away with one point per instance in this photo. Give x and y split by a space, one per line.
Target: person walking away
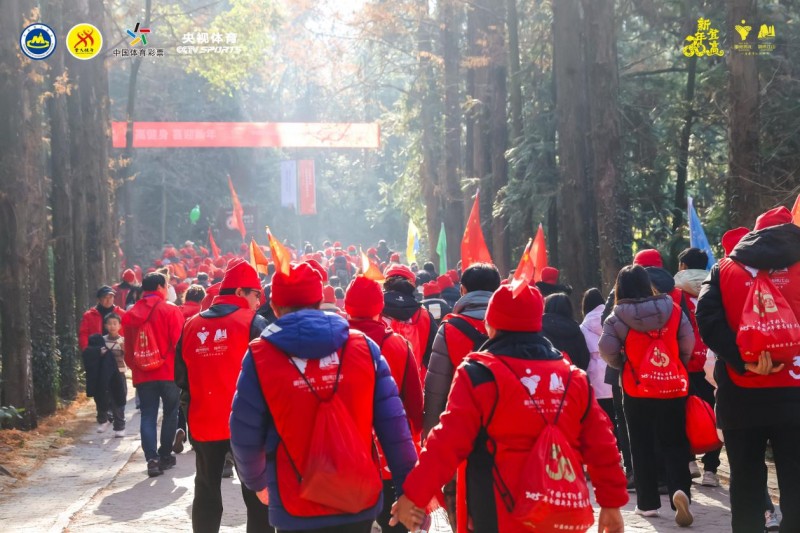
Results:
433 302
592 328
757 401
650 340
449 293
560 328
207 363
191 305
516 390
122 288
153 327
92 320
550 284
310 394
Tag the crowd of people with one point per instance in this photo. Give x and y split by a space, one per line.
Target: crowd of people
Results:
344 400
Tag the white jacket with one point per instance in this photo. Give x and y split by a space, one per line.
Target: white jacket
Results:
592 328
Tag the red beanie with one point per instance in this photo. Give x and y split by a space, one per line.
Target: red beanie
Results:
649 258
732 237
240 274
550 275
182 287
301 288
351 249
444 282
128 276
773 217
328 295
217 273
219 262
453 275
372 251
394 258
431 289
337 244
364 298
402 271
316 266
523 313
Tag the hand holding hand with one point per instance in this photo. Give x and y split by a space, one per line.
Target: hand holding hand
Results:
764 366
407 513
610 521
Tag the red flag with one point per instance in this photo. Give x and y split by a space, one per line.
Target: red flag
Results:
370 269
473 247
238 212
539 254
796 211
280 255
524 273
257 258
212 244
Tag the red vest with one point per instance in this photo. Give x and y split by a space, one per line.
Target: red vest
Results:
637 343
735 282
458 344
293 407
416 331
212 349
698 359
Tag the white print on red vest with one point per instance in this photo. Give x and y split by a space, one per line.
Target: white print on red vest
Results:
531 383
221 335
556 383
203 335
795 375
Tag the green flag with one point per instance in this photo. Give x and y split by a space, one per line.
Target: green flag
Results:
441 249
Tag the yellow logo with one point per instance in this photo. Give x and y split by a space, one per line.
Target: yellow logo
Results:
38 42
564 468
697 43
84 41
659 358
743 30
766 32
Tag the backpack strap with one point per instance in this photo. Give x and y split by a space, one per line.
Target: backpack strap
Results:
469 331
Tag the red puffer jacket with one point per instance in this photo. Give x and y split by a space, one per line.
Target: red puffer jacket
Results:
496 451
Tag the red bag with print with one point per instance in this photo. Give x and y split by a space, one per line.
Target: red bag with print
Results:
701 426
660 373
767 324
146 354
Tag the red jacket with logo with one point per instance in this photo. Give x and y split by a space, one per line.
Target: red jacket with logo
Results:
92 323
419 333
490 422
167 322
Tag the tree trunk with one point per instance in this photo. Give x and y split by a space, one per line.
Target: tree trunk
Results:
683 149
613 227
515 89
577 224
743 190
19 152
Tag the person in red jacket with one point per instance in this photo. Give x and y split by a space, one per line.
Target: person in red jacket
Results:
124 287
92 321
157 384
363 302
207 364
492 423
192 301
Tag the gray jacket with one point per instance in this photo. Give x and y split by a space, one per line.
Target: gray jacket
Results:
645 314
440 367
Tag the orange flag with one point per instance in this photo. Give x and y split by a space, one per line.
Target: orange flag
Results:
257 258
370 269
796 211
524 273
238 212
473 247
280 255
212 244
539 254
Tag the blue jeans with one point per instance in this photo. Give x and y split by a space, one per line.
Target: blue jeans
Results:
150 393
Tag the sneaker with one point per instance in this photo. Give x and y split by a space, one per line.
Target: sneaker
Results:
102 428
177 444
154 468
119 433
710 479
631 484
683 516
773 523
652 513
227 470
167 462
694 469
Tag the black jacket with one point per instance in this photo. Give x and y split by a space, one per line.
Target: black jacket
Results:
566 336
737 407
451 295
101 371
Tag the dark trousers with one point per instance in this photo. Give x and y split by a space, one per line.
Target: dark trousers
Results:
112 401
386 514
699 386
663 421
746 449
623 441
150 394
358 527
207 504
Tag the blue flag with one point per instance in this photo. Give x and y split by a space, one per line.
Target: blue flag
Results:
697 237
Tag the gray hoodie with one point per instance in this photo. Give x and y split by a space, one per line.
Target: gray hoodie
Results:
645 314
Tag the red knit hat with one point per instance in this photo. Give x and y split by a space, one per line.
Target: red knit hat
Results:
129 276
444 282
219 262
217 273
732 237
313 263
328 295
394 258
523 313
773 217
431 289
351 249
182 287
337 244
240 274
453 275
402 271
550 275
364 298
649 258
372 251
301 288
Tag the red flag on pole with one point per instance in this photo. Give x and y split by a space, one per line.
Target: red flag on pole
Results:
539 254
280 255
370 269
212 244
473 247
257 258
238 212
523 276
796 211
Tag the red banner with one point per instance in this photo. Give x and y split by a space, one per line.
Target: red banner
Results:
248 135
307 187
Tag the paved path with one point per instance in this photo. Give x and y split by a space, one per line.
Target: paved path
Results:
99 484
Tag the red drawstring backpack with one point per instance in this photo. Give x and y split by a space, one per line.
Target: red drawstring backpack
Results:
701 426
767 324
146 354
660 374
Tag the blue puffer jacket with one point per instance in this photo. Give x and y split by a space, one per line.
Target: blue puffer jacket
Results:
311 334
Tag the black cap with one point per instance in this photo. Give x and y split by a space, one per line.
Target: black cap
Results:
105 289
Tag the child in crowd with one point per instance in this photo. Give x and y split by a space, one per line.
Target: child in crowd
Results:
115 397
